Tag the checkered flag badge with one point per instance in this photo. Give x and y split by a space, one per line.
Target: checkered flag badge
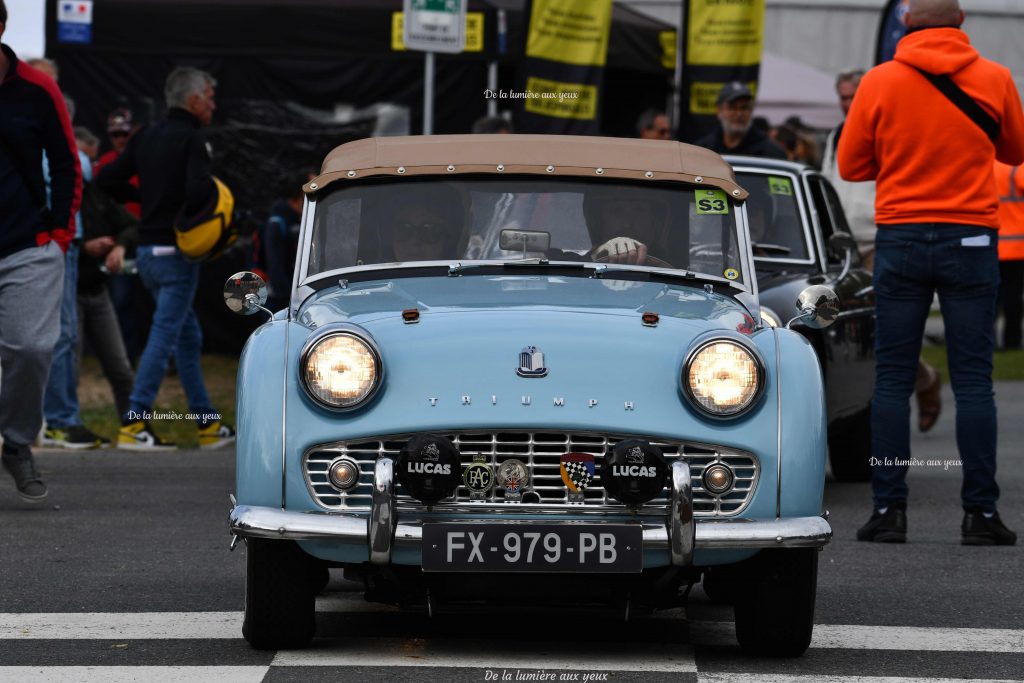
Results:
578 474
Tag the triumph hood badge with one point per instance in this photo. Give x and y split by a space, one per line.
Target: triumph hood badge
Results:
531 363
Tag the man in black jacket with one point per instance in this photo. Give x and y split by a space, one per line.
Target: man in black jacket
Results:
33 120
734 133
172 161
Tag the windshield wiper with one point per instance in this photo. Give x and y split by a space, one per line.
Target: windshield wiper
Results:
685 275
457 269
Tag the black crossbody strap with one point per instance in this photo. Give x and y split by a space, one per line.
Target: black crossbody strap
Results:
964 103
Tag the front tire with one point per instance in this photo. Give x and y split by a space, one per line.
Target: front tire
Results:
849 452
280 595
775 611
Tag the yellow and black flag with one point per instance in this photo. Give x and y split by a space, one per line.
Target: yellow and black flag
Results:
724 40
560 83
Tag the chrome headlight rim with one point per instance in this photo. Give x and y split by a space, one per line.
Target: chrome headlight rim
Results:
342 330
769 318
717 338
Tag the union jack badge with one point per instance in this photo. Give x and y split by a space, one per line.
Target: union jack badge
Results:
531 363
577 473
513 475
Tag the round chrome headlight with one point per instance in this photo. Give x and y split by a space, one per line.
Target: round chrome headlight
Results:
340 370
722 378
770 318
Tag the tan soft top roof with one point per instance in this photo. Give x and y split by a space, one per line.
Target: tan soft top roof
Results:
560 155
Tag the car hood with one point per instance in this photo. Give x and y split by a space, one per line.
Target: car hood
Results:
522 298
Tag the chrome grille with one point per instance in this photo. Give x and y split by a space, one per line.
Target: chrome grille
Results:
540 452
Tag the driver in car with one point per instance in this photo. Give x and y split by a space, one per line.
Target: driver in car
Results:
626 228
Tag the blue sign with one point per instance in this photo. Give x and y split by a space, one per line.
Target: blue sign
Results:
68 32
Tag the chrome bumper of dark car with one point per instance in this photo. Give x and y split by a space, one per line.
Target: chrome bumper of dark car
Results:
680 534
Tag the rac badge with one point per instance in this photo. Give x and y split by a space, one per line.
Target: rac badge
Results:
531 363
577 473
478 477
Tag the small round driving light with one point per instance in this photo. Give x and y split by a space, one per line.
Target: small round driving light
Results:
343 473
718 479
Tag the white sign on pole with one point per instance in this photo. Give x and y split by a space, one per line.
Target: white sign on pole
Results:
435 25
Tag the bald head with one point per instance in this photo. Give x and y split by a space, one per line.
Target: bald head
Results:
925 13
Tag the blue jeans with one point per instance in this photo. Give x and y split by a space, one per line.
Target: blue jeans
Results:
175 331
912 262
60 402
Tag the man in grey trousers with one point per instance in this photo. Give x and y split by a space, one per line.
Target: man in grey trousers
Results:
33 238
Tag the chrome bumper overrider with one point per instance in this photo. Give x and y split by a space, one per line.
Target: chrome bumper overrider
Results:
679 533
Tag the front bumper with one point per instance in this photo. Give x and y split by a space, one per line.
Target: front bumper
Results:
679 533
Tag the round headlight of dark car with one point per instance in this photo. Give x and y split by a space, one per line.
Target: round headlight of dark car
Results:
722 377
340 370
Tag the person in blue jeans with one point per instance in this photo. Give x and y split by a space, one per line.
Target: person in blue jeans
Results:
64 426
172 162
936 209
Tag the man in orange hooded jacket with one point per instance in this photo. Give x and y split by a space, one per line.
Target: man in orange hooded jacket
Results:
936 209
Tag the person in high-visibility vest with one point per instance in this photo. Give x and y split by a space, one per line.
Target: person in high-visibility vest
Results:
1010 182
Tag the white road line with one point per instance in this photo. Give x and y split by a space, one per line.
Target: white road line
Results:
826 678
522 656
228 625
132 674
121 625
902 638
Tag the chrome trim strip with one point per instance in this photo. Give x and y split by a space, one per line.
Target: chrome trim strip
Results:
778 431
382 512
535 451
284 417
680 518
725 534
866 310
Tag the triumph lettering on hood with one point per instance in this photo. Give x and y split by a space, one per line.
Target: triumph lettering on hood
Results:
556 401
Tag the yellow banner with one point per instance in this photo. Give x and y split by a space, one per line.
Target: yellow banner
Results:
725 32
570 31
561 100
474 32
667 39
703 96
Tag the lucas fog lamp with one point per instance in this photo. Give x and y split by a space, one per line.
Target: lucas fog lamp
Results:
722 378
340 371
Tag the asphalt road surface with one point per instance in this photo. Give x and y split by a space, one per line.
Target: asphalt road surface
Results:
125 575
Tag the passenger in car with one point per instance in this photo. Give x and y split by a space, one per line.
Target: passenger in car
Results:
427 226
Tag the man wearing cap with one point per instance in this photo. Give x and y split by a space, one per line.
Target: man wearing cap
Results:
734 133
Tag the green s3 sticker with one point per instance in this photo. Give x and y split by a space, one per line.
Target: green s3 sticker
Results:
783 186
710 202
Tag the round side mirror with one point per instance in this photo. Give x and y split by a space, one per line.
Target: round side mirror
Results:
819 307
245 293
840 244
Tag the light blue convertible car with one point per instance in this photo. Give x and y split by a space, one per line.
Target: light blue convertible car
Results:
534 356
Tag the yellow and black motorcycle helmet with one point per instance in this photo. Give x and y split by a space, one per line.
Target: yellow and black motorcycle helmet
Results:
207 233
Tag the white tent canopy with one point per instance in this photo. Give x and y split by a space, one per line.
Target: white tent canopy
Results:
788 88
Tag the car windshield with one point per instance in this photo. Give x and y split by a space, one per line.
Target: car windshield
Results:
483 218
776 229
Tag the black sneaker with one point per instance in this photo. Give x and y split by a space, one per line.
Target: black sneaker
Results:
887 527
977 529
18 462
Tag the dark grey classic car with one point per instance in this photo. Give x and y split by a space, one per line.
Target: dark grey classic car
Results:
800 237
